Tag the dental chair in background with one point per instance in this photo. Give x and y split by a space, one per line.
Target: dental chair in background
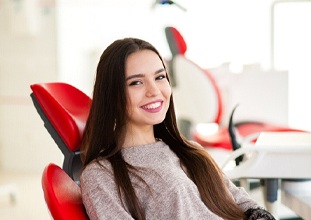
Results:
64 110
198 100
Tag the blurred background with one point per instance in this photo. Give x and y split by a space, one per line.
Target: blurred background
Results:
53 40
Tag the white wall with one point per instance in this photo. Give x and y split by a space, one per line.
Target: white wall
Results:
216 31
86 29
293 52
27 56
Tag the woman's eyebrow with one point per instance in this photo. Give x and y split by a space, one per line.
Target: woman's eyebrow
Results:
159 70
140 75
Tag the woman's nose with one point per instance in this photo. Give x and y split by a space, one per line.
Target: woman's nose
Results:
152 89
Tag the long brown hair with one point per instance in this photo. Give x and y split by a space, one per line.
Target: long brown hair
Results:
106 122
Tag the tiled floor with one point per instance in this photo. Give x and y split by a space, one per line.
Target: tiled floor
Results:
30 204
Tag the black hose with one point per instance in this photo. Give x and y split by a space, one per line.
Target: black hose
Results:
235 144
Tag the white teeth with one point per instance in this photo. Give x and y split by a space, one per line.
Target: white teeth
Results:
152 106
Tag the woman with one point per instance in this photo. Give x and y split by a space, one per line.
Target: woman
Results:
136 163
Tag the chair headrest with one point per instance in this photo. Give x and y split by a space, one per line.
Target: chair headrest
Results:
67 109
175 41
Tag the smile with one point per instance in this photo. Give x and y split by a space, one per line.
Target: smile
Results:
152 107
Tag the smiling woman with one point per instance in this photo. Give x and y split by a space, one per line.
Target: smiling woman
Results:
137 165
148 95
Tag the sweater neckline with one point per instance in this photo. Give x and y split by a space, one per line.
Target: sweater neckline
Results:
158 143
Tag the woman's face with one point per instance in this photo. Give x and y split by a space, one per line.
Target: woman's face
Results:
148 90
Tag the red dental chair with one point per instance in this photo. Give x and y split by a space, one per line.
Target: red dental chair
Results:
198 98
64 110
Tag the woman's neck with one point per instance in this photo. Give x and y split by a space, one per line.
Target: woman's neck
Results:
136 137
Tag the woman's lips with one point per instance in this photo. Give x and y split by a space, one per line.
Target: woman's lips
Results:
153 107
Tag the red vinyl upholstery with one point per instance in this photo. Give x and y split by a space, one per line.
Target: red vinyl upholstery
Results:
67 109
62 194
176 41
222 138
64 110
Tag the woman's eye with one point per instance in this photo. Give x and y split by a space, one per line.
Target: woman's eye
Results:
161 77
134 83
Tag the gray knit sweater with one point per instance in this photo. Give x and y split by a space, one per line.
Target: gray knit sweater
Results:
170 195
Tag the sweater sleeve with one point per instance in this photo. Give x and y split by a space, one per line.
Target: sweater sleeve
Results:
251 209
100 196
241 197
